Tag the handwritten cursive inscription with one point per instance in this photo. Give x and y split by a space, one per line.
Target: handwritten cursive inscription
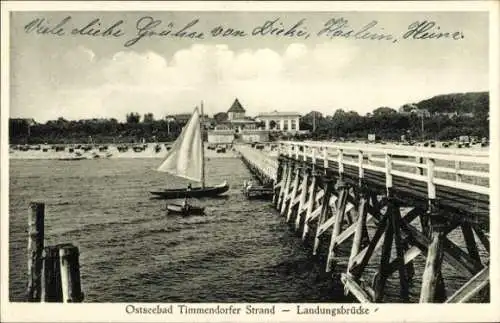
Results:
429 30
42 26
339 28
277 28
95 28
148 27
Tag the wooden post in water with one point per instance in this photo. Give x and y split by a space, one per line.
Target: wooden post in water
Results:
286 189
360 227
279 200
35 249
302 201
280 173
51 276
70 274
343 192
324 209
310 205
432 271
400 250
293 194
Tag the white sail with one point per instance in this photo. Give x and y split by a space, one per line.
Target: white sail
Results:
185 158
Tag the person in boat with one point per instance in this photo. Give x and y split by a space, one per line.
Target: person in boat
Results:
185 204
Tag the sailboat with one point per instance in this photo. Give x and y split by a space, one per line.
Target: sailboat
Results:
186 160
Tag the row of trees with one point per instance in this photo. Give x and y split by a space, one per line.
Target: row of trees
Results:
428 122
391 125
101 130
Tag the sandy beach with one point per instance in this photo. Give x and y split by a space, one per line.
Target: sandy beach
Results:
111 152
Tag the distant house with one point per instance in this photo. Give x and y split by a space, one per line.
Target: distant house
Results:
182 118
20 127
237 125
26 121
236 111
236 118
414 109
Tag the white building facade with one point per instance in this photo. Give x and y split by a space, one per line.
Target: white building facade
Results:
280 121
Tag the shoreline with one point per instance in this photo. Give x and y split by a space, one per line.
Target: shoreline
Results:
110 153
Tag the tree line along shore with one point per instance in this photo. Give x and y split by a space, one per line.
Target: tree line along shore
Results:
440 118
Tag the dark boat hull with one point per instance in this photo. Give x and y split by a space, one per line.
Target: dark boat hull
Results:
195 192
258 192
185 210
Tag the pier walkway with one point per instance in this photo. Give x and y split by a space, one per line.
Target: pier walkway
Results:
389 207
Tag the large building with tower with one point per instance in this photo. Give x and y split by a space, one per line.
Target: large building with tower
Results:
240 127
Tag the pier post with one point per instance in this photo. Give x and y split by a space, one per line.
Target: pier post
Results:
324 210
286 189
360 227
395 214
470 241
293 194
431 291
277 187
343 192
36 234
311 202
70 274
51 275
380 278
281 187
302 201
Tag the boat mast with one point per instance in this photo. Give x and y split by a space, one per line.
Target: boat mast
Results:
202 149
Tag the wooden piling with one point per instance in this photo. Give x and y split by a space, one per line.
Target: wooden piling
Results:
400 252
35 249
70 274
310 206
339 216
302 200
360 226
293 194
280 182
323 213
470 242
381 276
51 276
432 270
286 170
286 189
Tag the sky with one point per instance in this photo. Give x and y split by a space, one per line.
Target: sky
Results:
82 77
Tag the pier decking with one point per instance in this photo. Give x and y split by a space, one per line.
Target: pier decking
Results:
412 197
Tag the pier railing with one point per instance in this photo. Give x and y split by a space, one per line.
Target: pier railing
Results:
460 169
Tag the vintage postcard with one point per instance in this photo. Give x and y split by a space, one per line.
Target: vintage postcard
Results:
249 161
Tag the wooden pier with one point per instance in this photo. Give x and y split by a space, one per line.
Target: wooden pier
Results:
387 208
